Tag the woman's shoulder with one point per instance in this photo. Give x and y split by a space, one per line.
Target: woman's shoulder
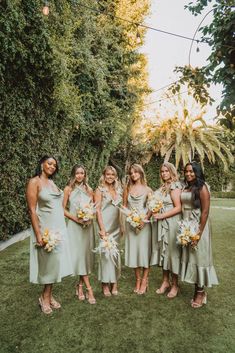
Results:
34 181
176 185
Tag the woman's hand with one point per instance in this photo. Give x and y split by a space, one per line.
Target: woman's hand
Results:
141 226
102 233
195 240
39 242
158 216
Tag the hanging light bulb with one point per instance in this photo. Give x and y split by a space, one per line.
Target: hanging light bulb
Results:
45 9
138 38
197 50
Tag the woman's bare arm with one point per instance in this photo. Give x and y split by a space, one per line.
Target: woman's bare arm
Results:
98 201
32 191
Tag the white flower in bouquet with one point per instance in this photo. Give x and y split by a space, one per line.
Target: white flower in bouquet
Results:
51 240
86 212
109 247
154 203
188 232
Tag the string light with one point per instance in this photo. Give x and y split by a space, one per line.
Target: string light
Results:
45 9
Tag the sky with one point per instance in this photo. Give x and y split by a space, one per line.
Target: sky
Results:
164 52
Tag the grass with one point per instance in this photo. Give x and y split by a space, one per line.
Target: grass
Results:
127 323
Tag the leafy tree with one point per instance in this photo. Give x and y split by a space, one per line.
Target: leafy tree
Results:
185 135
220 69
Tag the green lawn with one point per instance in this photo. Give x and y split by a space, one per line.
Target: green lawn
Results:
127 323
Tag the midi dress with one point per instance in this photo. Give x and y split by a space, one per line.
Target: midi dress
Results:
109 270
197 265
81 239
50 267
138 245
165 252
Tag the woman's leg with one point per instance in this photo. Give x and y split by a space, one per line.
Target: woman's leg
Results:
144 282
165 283
137 279
174 287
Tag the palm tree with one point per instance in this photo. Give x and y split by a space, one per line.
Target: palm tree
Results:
186 135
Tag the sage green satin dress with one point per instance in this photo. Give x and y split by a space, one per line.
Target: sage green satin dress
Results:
108 270
81 239
197 265
138 245
165 252
47 268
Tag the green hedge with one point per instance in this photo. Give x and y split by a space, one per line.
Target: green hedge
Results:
68 88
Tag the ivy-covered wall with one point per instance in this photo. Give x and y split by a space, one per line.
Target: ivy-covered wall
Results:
70 83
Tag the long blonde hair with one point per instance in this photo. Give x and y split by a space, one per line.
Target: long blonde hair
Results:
72 181
116 183
172 170
137 168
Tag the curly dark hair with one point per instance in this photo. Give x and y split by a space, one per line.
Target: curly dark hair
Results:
38 170
197 184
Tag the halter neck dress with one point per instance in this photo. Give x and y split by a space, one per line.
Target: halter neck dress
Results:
81 239
138 245
197 265
165 252
47 268
108 271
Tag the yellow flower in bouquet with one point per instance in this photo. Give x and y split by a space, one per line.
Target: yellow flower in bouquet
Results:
51 240
188 232
86 212
154 204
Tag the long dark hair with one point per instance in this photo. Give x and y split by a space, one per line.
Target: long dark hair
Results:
38 170
197 184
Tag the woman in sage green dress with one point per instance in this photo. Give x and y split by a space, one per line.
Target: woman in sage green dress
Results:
165 252
197 264
138 241
108 197
80 233
46 212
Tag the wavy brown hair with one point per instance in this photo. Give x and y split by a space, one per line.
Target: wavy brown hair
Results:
72 181
137 168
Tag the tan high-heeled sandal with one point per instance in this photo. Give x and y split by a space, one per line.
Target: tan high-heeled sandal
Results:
163 291
171 295
46 309
143 291
79 295
203 302
54 304
90 300
106 292
135 290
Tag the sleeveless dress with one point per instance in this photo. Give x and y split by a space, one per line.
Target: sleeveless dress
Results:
197 265
47 268
108 272
165 252
138 245
81 239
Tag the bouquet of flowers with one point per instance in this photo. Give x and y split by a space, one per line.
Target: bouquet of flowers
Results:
188 232
154 204
86 212
51 240
109 247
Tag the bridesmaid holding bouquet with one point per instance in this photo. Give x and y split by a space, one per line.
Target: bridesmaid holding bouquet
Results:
49 252
197 262
79 197
138 238
166 253
108 197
